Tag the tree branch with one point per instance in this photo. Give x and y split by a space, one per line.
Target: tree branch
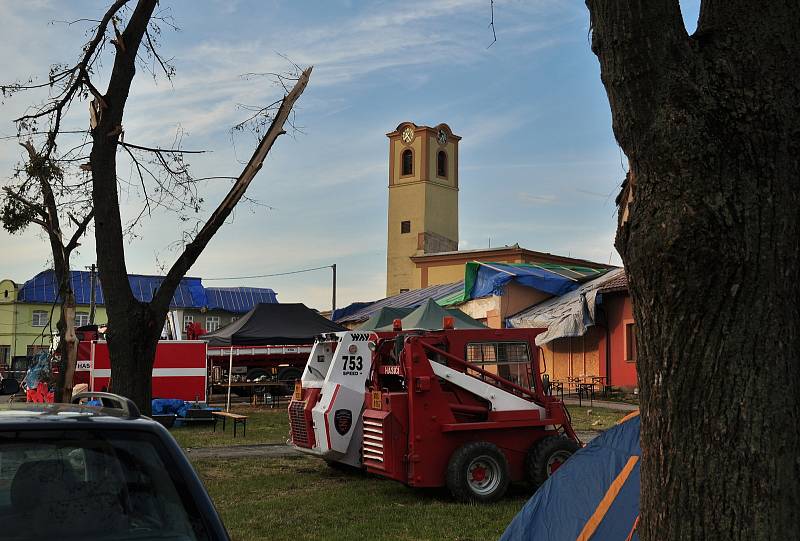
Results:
193 250
159 150
82 225
58 107
38 209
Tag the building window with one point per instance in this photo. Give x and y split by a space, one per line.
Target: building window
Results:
441 164
408 162
405 227
81 319
5 356
40 318
403 290
5 294
630 342
212 323
187 320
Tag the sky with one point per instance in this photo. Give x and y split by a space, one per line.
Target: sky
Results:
539 165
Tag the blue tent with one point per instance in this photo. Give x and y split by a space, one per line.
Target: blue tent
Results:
594 496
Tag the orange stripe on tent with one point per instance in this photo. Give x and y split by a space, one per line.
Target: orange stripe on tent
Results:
628 417
635 525
611 494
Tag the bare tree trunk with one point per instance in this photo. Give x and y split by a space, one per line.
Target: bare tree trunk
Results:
709 229
135 326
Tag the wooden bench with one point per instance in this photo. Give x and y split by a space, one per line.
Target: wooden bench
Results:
237 419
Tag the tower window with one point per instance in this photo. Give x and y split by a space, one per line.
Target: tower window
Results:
441 164
408 162
405 227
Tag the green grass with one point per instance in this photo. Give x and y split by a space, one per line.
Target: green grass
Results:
264 425
588 418
268 425
301 498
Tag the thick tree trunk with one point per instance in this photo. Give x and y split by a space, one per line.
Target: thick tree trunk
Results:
132 346
710 241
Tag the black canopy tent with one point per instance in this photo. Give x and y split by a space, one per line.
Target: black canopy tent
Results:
273 324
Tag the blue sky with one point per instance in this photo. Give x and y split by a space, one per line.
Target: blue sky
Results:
538 162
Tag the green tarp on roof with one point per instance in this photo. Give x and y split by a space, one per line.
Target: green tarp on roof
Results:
429 315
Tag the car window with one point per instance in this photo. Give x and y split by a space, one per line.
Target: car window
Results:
92 485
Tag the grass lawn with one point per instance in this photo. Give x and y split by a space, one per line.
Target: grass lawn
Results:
271 425
588 418
264 425
301 498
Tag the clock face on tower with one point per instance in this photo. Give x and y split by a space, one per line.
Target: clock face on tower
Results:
441 137
408 135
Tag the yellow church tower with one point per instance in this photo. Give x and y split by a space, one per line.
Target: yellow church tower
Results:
423 199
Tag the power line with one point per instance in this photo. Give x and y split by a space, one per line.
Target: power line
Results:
269 275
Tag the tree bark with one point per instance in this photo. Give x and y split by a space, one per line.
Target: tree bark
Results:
710 125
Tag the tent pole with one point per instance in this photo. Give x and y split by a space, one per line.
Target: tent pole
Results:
230 374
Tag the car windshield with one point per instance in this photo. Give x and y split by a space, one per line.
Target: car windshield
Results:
87 484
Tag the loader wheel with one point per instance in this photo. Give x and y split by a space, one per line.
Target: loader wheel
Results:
478 472
546 456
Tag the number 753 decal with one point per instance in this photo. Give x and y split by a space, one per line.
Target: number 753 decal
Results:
352 363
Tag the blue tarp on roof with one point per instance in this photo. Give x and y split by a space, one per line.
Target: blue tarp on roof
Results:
491 279
190 293
412 299
562 506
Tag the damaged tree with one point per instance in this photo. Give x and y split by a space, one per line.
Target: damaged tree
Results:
33 201
709 231
135 326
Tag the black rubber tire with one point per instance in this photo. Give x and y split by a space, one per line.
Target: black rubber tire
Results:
478 454
537 461
288 375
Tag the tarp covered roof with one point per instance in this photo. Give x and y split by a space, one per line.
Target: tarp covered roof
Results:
600 481
412 299
43 288
482 279
273 324
427 316
569 315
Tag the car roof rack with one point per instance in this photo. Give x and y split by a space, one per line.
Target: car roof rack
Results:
111 400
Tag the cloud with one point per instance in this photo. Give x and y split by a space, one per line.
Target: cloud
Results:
537 199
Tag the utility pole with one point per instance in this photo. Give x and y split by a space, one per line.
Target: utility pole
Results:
333 303
92 274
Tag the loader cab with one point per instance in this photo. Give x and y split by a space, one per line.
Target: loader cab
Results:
513 357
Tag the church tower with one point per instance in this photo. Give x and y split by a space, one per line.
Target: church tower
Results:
423 199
